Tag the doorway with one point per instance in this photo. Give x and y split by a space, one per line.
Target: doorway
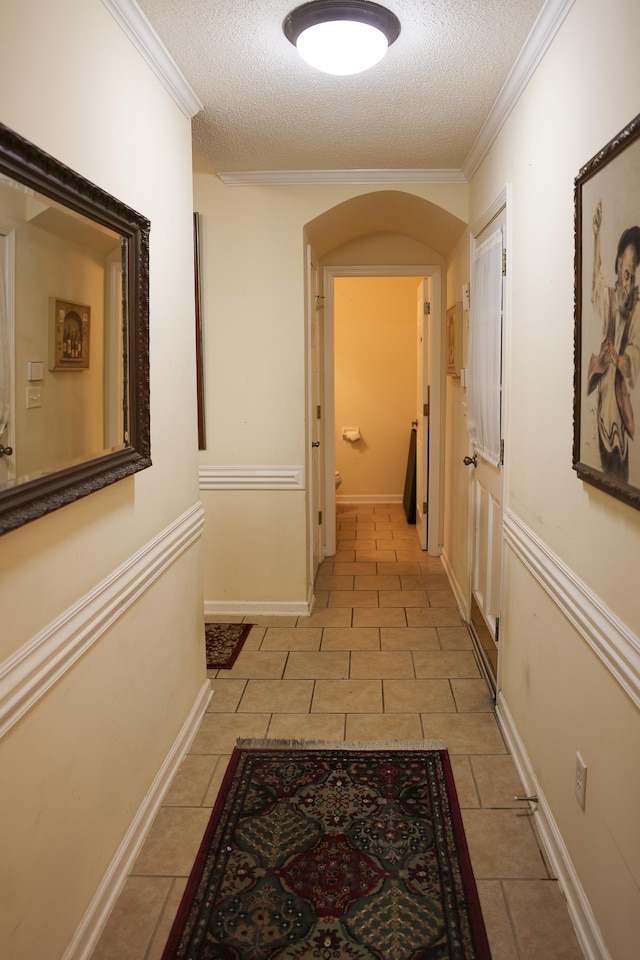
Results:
430 412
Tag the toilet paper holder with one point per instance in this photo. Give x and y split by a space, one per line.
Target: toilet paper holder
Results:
351 433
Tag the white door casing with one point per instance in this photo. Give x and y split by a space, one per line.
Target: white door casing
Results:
315 454
431 273
423 383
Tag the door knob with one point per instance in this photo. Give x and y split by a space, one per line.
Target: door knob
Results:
468 461
315 443
5 451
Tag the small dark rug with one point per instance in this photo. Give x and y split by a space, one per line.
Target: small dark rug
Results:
332 852
223 643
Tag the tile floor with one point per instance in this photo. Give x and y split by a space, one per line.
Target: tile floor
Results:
383 656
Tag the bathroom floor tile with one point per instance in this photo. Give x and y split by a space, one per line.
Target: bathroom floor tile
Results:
267 696
424 696
409 638
528 901
379 664
347 696
375 617
292 638
351 638
502 845
384 727
446 663
325 664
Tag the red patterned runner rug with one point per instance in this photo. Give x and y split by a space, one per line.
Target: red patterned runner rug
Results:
223 643
328 852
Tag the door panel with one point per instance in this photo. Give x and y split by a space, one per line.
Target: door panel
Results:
486 480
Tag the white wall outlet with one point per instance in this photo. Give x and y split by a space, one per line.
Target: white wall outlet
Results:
581 780
466 300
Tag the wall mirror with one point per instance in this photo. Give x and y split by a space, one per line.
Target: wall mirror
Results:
74 335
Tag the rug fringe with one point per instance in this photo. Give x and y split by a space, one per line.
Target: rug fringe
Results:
257 744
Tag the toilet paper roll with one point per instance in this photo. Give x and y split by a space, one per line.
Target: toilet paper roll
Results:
351 433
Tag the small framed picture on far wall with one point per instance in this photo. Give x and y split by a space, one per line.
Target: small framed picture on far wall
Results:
69 335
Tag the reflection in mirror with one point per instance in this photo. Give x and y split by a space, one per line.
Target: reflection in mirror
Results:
74 403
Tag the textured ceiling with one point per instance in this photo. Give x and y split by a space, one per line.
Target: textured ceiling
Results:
264 109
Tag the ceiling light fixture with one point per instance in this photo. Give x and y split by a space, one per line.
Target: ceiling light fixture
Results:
341 37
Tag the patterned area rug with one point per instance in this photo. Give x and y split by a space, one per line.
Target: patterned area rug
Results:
332 852
224 642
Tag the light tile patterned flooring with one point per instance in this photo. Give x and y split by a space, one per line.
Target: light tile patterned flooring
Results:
384 656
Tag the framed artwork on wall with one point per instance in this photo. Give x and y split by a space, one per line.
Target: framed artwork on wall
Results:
453 339
69 334
606 447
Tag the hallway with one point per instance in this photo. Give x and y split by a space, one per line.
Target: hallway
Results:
384 656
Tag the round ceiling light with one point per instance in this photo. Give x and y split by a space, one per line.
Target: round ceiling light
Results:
341 37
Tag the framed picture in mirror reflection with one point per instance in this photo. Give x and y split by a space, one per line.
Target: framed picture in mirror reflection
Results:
69 335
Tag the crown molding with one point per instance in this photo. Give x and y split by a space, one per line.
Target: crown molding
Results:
133 22
287 178
540 37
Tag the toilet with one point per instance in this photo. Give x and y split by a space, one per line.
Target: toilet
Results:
338 479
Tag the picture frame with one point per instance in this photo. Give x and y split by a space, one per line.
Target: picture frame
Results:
197 231
453 339
69 335
606 442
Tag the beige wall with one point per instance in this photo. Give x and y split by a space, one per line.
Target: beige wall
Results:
562 696
375 381
78 764
69 424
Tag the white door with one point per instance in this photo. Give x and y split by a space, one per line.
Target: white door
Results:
7 374
422 412
316 457
486 477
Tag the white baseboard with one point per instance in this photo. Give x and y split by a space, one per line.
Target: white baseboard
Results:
265 608
369 498
580 911
97 914
462 599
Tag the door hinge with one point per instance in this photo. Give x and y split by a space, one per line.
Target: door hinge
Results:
497 629
319 517
425 407
504 262
318 412
425 508
319 303
502 451
427 308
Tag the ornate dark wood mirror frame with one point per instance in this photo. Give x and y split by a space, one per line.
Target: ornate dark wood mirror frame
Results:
22 502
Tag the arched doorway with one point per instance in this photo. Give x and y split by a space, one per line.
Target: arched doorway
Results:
373 234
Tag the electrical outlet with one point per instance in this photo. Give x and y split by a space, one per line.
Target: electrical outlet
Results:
581 780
